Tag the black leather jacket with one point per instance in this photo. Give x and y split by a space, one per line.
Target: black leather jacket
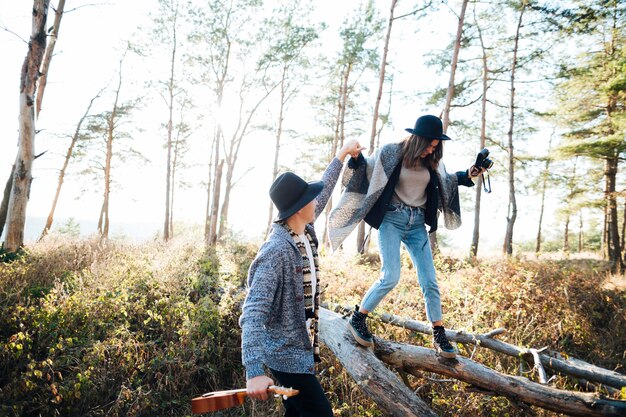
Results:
376 215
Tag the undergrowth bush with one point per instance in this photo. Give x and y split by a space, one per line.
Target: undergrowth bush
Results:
118 330
91 329
561 305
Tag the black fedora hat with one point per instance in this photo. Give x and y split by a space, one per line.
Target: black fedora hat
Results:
428 126
290 193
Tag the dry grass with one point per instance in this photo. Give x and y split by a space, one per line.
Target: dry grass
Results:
137 330
559 304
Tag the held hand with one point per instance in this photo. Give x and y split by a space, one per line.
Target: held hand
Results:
352 148
475 171
257 387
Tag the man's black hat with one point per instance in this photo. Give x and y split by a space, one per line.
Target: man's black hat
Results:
290 193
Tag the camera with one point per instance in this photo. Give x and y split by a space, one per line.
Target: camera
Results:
482 160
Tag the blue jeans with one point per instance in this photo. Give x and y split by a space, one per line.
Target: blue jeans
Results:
404 224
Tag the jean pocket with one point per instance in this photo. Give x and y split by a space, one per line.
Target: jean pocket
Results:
392 208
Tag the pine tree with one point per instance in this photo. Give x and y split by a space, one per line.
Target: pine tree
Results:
593 103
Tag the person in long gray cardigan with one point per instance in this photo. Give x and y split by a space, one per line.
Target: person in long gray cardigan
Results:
400 190
279 326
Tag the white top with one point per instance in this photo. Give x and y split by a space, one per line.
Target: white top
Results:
309 254
411 186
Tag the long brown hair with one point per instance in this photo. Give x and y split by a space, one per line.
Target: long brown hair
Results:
413 146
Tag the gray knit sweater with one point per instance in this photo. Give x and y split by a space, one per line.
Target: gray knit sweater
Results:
273 321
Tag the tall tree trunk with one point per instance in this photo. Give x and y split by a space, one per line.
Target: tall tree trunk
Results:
217 186
623 233
566 235
172 187
453 65
103 223
483 138
170 128
339 115
381 82
604 245
228 186
615 251
45 67
42 82
209 190
544 186
22 177
541 210
233 154
214 194
333 151
279 133
68 156
167 227
512 208
4 206
381 76
344 106
580 232
101 218
174 166
450 95
570 196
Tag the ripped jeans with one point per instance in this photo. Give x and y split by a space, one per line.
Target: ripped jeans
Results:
404 224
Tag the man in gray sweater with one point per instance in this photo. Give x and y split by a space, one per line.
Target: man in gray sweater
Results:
279 320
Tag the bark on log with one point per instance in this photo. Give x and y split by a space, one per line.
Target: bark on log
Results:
571 366
411 358
543 379
374 378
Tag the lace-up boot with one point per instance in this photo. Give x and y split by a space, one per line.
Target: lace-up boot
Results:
441 343
358 327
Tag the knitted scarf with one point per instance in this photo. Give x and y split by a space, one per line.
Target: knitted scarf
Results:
311 301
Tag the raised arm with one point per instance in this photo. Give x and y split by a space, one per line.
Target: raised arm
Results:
352 148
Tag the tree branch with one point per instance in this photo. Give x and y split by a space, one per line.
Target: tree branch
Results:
569 366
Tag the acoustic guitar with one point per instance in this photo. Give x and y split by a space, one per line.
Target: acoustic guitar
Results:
220 400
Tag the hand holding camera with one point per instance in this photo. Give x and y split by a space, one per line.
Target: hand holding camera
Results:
482 164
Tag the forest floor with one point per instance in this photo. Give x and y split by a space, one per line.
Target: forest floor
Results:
115 329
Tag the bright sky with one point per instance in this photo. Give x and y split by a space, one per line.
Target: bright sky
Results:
87 53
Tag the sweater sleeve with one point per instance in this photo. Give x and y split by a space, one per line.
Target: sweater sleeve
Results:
464 179
330 180
355 163
263 281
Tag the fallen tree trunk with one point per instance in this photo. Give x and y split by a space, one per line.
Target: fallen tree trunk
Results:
572 367
412 359
373 377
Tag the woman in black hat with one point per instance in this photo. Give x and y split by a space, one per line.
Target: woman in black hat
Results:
279 320
399 190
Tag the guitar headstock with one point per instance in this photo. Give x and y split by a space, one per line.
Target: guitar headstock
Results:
285 392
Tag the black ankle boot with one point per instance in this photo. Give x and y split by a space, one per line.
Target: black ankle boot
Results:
358 327
442 345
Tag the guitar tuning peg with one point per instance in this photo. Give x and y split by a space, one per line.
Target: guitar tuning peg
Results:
285 397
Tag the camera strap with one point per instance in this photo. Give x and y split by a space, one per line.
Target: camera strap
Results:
485 183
